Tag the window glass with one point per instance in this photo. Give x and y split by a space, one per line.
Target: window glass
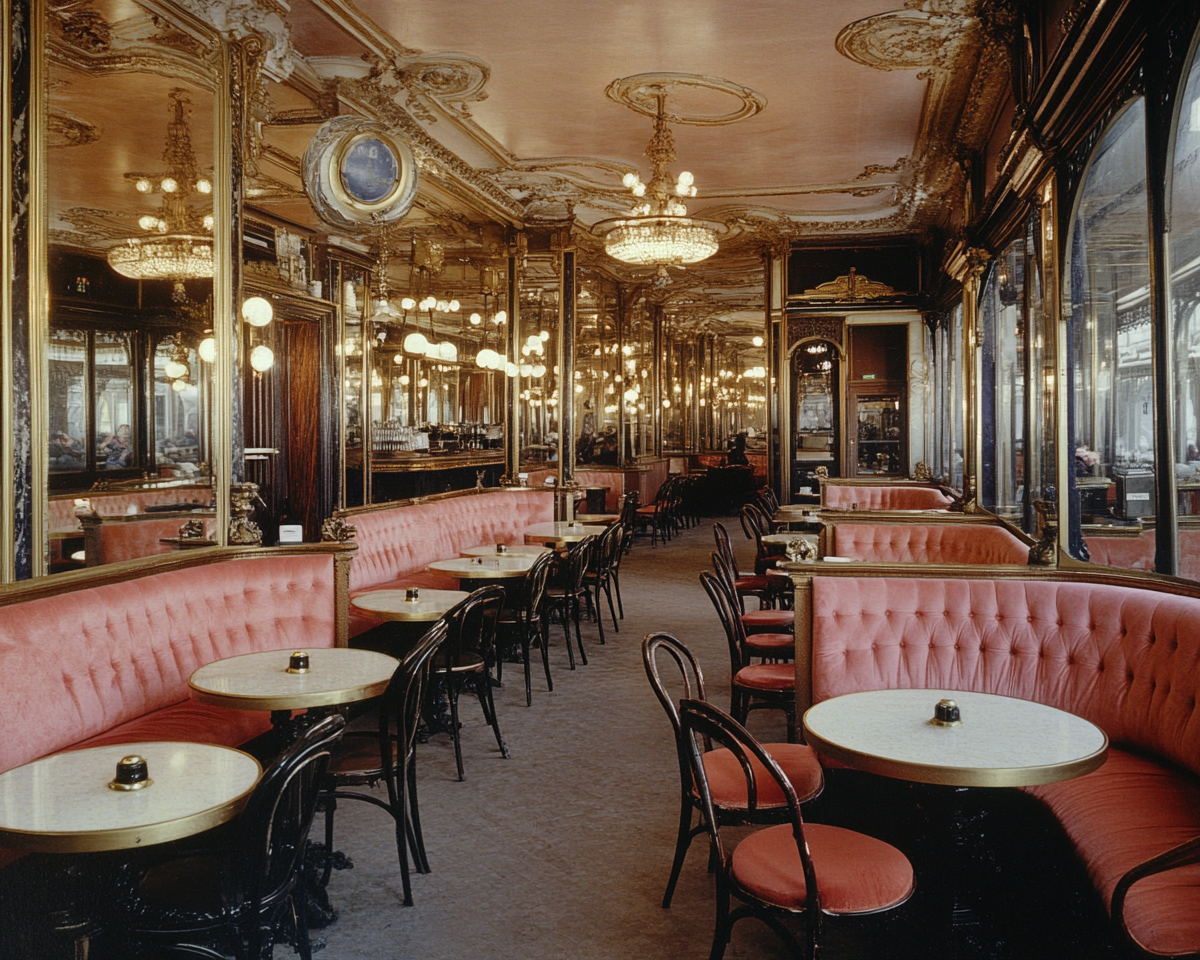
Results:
1004 381
177 426
957 373
68 400
1110 400
114 394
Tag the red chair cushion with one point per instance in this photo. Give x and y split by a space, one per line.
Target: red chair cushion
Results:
751 582
769 621
727 782
767 676
855 873
771 645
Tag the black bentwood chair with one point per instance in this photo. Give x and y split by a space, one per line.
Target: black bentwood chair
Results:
388 753
725 780
568 598
527 623
230 899
794 869
599 574
470 646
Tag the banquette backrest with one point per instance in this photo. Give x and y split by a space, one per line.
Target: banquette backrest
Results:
110 539
890 496
1126 657
948 542
398 539
81 653
61 508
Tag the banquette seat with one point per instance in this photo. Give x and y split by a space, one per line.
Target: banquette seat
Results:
970 543
890 496
1123 654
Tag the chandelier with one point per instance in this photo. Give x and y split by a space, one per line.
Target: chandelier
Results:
177 243
658 230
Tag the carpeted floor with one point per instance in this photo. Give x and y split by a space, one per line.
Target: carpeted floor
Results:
564 849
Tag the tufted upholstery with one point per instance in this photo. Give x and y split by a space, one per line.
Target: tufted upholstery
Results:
928 543
891 497
395 546
61 510
82 664
613 479
1125 658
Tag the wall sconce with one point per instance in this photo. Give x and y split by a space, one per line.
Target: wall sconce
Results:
207 349
257 311
262 358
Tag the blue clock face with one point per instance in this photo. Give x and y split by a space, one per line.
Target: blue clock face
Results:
370 170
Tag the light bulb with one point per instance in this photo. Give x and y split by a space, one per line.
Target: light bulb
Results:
405 380
686 179
454 306
143 185
526 369
415 343
501 316
174 369
179 385
692 192
510 369
208 222
476 319
257 311
422 382
398 358
407 303
630 179
544 336
442 306
666 404
539 369
631 396
262 358
757 341
579 388
448 351
162 226
204 186
682 189
169 186
207 350
639 189
147 222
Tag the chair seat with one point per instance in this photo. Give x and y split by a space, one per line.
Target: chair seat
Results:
762 619
771 645
778 677
468 663
746 582
356 760
188 890
727 782
855 873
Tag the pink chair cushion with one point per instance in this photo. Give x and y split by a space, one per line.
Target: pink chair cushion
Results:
768 621
855 873
1128 811
767 676
929 543
727 782
77 665
771 645
1124 658
891 497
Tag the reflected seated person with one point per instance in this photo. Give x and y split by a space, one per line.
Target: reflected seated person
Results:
65 453
608 451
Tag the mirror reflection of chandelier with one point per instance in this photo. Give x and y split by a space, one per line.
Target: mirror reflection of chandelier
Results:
658 229
177 243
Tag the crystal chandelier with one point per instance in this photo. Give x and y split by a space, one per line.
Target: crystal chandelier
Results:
177 244
658 230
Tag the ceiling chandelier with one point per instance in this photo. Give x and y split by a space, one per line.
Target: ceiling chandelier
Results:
177 244
658 230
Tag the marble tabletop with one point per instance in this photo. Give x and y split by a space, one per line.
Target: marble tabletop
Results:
561 532
511 550
62 803
1001 742
786 538
394 605
484 568
598 518
260 681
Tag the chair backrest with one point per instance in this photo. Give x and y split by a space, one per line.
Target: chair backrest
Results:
401 711
274 825
727 577
690 680
578 559
731 620
724 546
607 549
700 719
471 626
535 587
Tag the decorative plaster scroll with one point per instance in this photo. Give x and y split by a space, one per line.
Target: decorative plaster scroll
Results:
642 92
925 34
816 328
849 288
238 19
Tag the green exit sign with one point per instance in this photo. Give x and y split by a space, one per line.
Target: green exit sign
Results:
868 376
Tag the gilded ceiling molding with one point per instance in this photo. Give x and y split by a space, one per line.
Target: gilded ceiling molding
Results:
239 19
924 34
849 288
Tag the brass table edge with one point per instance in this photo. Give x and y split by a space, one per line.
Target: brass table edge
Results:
296 701
1030 776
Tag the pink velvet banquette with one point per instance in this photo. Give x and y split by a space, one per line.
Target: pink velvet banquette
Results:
891 496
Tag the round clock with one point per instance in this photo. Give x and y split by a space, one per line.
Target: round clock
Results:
358 175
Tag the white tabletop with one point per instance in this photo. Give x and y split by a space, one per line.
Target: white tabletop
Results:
561 532
484 568
260 681
511 550
786 538
1002 741
62 803
394 605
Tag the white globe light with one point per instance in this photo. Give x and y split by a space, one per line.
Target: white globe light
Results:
476 319
405 380
147 222
179 385
539 369
498 363
666 404
442 306
416 343
686 179
757 341
526 369
174 369
448 351
544 335
422 382
407 303
258 312
630 179
204 186
510 369
432 351
501 317
631 396
169 186
207 349
143 185
262 358
455 306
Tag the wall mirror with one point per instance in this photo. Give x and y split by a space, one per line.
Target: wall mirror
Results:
129 187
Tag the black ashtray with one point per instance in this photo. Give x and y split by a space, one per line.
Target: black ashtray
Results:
946 714
298 662
412 594
132 774
501 548
479 560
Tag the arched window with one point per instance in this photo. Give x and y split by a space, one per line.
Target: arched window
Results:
1110 397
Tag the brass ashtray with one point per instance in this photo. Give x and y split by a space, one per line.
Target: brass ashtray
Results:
479 560
501 548
946 714
132 774
412 594
298 662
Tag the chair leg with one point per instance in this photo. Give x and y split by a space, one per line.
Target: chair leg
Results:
578 634
682 841
452 694
330 810
599 619
566 619
525 658
489 711
608 594
416 838
617 583
545 658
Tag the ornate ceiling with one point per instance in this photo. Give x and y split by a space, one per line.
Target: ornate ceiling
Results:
867 107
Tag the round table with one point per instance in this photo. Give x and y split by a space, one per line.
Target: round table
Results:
62 803
561 532
260 681
484 568
607 519
394 605
489 550
1001 742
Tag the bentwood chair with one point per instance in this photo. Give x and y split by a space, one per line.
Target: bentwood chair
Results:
746 584
754 621
568 598
754 686
728 789
599 574
229 899
388 753
629 504
527 623
469 648
794 869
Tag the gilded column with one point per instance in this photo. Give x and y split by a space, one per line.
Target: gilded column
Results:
566 361
512 385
